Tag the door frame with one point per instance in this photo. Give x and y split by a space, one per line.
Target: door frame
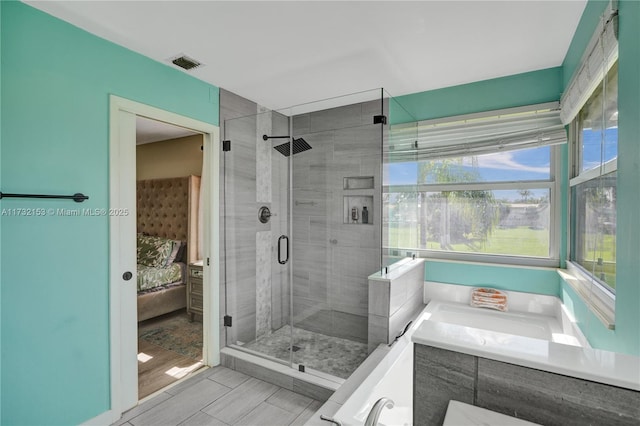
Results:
122 247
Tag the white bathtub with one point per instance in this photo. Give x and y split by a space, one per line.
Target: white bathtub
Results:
536 326
393 377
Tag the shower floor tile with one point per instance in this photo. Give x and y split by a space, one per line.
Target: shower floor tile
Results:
332 355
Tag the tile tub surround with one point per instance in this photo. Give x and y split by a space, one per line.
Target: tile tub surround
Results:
386 379
395 298
559 384
595 365
441 375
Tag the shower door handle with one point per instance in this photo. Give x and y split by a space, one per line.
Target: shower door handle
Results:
280 261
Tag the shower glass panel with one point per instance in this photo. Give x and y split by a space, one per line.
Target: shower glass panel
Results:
401 206
297 285
256 215
336 229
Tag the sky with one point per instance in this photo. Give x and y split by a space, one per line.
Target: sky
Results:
591 147
527 164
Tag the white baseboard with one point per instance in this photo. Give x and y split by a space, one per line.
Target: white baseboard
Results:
105 419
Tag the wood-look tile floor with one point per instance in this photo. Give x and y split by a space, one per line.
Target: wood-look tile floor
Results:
159 367
220 396
169 348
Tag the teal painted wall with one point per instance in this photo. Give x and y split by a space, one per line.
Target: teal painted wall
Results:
628 237
506 92
626 336
56 81
1 42
588 21
597 335
528 280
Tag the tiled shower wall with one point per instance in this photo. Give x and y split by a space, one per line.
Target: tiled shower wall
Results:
332 259
530 394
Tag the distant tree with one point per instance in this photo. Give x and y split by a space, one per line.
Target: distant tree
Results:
525 194
454 216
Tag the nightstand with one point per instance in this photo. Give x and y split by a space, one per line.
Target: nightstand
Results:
194 289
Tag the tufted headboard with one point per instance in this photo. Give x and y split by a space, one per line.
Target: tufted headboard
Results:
169 208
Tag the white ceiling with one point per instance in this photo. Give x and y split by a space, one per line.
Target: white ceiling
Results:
281 54
148 130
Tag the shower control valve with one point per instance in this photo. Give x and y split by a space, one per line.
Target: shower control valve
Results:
264 214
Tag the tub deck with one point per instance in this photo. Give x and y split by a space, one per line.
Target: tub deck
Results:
536 326
393 377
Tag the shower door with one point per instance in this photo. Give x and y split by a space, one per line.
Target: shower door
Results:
255 211
335 205
301 230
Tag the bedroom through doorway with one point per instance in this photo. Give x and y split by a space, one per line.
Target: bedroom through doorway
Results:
123 306
169 162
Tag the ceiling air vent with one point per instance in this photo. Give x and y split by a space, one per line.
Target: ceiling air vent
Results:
185 62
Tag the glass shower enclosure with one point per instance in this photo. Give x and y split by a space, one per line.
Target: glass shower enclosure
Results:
302 222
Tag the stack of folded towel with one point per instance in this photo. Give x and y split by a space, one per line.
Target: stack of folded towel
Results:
485 297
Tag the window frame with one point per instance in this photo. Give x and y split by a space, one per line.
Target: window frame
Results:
552 184
598 296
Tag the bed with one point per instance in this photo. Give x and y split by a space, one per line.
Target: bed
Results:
167 240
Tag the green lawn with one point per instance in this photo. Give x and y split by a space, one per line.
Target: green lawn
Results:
606 249
520 241
607 252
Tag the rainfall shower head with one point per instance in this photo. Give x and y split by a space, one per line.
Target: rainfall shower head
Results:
299 145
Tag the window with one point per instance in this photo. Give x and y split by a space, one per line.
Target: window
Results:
593 186
496 205
589 105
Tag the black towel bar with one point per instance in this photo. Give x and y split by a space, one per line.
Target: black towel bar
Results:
77 197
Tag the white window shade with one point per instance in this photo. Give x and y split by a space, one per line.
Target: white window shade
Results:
504 130
600 55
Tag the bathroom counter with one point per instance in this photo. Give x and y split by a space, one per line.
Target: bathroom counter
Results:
585 363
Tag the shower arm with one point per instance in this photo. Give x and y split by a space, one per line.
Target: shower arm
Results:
266 138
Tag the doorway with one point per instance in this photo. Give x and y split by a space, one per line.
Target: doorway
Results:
169 253
123 243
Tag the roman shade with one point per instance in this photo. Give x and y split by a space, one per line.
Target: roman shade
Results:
477 134
599 57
